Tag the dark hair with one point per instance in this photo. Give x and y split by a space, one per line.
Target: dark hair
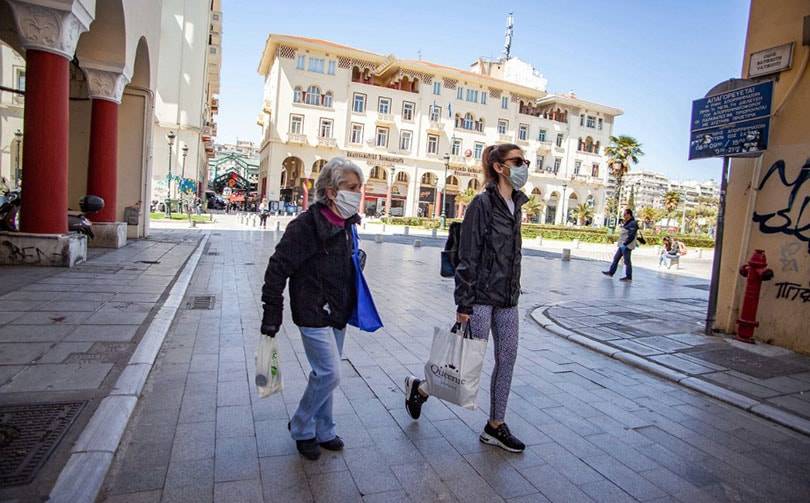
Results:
493 154
628 210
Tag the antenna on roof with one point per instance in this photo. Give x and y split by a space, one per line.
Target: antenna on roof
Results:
507 44
419 54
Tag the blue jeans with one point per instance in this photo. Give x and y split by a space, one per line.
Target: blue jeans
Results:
313 418
628 265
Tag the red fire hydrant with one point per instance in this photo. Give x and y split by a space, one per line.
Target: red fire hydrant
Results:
756 270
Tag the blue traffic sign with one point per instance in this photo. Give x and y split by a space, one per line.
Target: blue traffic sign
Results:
735 123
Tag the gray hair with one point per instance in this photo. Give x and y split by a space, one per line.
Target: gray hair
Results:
332 174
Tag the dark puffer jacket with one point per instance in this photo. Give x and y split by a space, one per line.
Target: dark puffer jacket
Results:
316 256
489 253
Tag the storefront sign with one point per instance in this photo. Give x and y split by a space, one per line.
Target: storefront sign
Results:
473 170
735 123
374 187
378 159
427 194
773 60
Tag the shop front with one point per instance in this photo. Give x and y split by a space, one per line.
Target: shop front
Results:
374 197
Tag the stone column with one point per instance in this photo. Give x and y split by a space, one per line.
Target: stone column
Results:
49 36
105 88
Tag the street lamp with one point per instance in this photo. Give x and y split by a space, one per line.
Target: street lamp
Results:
564 209
170 138
444 192
18 171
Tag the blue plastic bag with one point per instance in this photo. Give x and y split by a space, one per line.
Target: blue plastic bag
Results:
365 315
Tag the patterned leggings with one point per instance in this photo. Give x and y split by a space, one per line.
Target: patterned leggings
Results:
504 325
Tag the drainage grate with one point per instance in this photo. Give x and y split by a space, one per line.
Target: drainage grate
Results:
753 364
631 315
97 269
150 262
212 254
626 329
202 302
705 288
687 301
28 436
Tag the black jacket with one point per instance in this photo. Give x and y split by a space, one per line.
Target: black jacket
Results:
489 252
316 256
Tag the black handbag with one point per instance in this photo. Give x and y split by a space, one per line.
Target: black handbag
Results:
449 258
640 238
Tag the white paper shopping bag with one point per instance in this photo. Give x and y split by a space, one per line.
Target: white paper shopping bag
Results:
453 371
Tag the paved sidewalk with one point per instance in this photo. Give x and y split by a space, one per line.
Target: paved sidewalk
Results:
65 335
597 429
668 331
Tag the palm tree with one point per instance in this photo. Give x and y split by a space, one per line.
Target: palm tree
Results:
671 201
583 213
622 152
648 215
534 206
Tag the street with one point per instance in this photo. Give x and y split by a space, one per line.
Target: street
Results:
597 429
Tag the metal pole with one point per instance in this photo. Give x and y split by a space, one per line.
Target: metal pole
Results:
444 194
18 173
718 251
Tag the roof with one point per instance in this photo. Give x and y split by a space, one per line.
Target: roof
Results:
275 39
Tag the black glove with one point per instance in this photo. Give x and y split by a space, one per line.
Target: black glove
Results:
270 330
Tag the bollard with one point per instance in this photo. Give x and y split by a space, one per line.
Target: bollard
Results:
364 226
193 224
417 243
255 221
576 244
378 238
383 228
210 217
539 240
700 253
407 230
433 233
278 225
566 254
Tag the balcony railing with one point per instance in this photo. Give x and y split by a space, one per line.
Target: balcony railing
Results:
520 141
505 138
327 142
297 138
385 118
436 126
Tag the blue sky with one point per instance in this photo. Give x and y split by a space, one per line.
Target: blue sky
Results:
650 58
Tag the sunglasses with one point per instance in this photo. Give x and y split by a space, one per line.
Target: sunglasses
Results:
519 161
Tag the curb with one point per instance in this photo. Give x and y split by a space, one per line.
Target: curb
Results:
83 475
739 400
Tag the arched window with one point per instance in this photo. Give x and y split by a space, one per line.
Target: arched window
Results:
313 96
452 181
316 167
536 191
468 121
589 144
474 184
428 179
355 74
298 94
377 173
402 177
459 121
479 125
327 99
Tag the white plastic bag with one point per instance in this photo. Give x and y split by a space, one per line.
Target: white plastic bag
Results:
453 371
268 371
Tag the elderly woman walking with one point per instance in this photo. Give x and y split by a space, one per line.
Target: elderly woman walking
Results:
315 253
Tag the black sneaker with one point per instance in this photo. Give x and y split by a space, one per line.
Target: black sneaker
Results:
626 278
501 437
309 449
413 399
336 444
607 273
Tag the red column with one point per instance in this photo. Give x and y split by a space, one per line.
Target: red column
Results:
102 171
437 210
306 195
363 200
45 150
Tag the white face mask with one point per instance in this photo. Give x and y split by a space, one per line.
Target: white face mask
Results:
518 176
347 203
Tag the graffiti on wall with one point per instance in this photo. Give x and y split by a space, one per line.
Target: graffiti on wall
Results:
788 256
793 217
25 255
792 291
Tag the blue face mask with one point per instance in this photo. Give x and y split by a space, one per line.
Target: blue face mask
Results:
518 176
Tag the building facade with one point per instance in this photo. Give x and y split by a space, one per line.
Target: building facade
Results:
418 129
648 189
768 201
186 102
12 76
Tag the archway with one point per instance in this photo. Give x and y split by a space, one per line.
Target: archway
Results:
399 194
551 208
427 195
474 184
317 166
571 207
451 190
375 191
293 190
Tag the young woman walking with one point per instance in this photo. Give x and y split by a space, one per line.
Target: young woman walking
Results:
488 282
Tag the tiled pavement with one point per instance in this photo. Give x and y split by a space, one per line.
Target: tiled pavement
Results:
66 334
597 429
669 331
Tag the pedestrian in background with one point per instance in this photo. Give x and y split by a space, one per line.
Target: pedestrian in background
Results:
626 244
488 282
315 254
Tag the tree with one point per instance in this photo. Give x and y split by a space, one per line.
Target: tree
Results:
671 201
631 201
622 152
465 198
648 216
534 206
583 213
611 206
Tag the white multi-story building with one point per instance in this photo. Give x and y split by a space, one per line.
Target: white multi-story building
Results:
12 76
398 119
187 93
648 188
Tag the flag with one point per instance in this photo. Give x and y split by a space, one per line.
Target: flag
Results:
449 111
